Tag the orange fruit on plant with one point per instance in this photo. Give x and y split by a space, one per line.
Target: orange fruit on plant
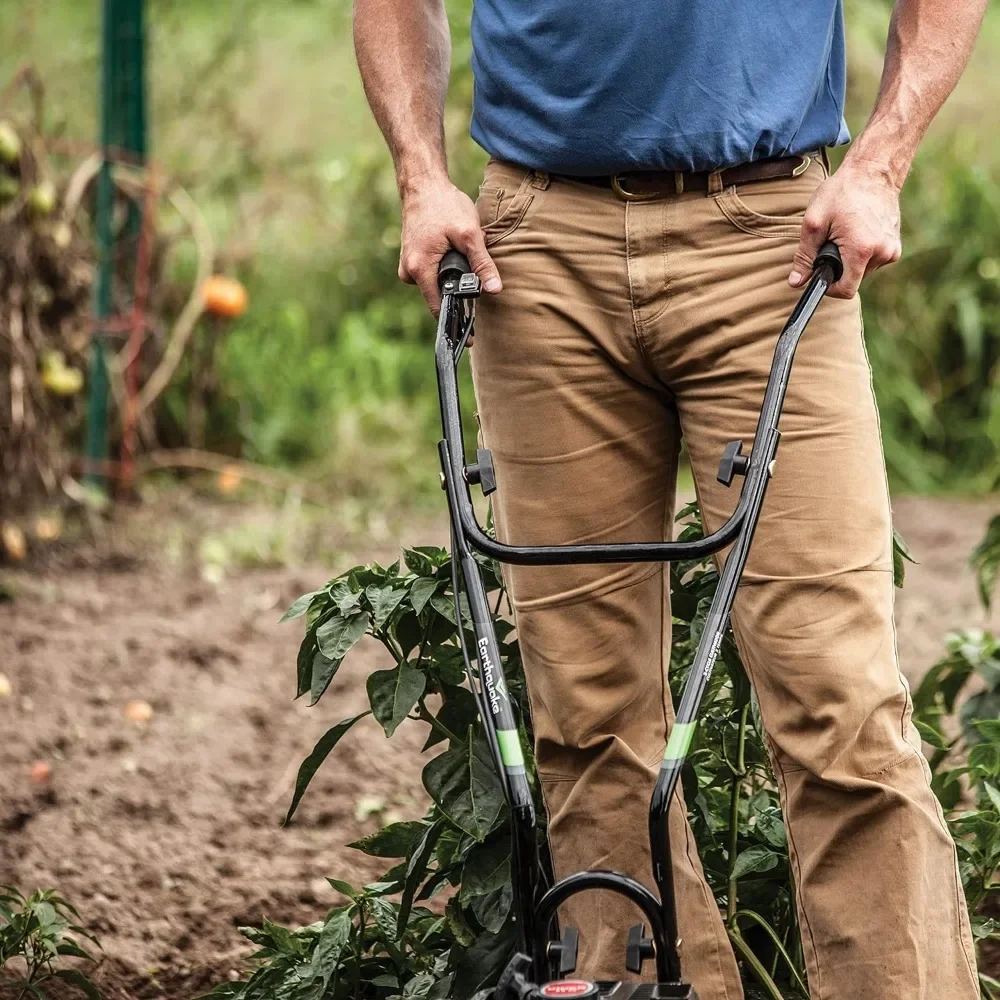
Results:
229 478
12 539
224 297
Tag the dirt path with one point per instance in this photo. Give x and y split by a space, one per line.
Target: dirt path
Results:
166 834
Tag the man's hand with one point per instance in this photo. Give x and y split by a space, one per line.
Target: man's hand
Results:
857 208
436 217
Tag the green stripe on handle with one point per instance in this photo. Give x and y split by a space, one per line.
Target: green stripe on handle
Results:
510 748
680 740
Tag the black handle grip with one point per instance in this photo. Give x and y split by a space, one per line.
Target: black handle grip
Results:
829 254
453 265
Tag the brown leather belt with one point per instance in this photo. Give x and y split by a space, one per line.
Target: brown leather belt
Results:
642 185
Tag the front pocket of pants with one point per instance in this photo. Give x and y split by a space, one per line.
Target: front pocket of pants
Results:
501 211
756 223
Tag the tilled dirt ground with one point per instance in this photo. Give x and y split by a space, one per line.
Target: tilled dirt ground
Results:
166 834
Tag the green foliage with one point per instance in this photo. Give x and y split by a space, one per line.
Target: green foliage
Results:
985 561
397 946
36 933
330 366
933 329
460 850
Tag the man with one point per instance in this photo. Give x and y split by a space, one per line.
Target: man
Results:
658 190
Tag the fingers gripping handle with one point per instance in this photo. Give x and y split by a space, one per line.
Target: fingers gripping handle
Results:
829 256
453 265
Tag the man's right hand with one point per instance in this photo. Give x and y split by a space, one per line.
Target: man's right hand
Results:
436 217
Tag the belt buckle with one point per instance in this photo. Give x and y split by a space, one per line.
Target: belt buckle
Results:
803 165
626 195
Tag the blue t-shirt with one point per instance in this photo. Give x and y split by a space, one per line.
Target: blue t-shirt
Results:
599 86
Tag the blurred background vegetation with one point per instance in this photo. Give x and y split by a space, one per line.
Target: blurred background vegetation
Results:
257 109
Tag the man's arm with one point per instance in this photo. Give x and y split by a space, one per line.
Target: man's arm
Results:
858 207
404 53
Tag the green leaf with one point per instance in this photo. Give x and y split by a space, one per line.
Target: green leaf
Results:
385 915
444 605
80 981
464 784
299 606
419 985
421 592
346 595
493 909
459 711
393 693
989 729
335 639
985 561
771 827
487 867
416 871
993 794
754 859
384 600
481 965
308 651
344 888
931 736
70 947
426 560
984 759
393 841
332 941
312 763
901 555
337 636
322 672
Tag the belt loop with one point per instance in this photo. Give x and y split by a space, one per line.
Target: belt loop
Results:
715 182
679 181
825 157
539 179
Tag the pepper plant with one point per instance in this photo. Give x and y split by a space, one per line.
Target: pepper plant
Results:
37 933
438 922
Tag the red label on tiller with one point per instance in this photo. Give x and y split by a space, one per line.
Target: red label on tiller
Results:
568 988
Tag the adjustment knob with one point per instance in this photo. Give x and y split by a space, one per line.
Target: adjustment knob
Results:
482 472
637 949
563 953
734 463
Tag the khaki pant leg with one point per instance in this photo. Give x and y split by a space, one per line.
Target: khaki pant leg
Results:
880 903
584 443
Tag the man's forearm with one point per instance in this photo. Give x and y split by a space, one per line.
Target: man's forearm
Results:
404 54
928 47
858 207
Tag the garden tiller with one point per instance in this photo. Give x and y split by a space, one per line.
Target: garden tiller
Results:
546 956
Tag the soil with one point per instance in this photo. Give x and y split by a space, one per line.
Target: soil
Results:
167 834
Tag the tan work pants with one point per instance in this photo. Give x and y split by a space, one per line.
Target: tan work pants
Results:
621 327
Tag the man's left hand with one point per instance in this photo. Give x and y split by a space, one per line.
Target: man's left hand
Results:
857 208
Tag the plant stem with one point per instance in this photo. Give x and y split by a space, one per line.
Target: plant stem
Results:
424 715
769 930
758 970
739 773
394 650
361 952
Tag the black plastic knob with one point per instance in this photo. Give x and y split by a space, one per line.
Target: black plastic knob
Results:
482 472
637 949
733 463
